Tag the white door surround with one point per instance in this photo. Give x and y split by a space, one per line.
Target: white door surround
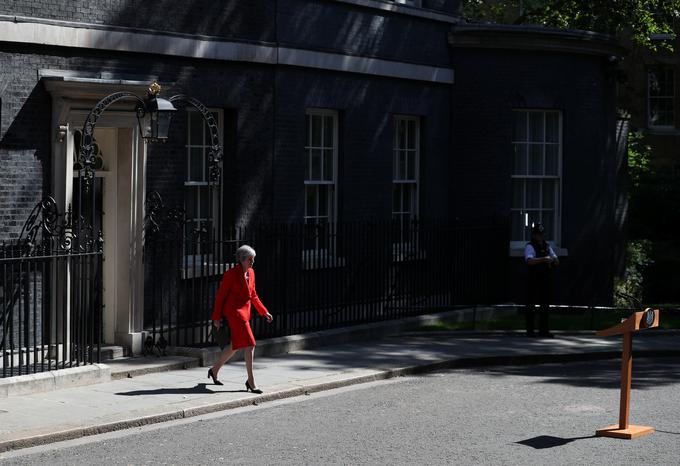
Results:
123 193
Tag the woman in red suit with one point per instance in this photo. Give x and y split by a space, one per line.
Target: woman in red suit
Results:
236 292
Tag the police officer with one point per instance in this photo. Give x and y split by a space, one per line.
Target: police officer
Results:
540 259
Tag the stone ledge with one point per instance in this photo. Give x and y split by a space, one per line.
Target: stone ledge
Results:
54 380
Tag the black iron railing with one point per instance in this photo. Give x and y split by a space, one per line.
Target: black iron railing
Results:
50 294
315 277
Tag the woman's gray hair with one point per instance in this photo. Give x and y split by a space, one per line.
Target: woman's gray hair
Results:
244 252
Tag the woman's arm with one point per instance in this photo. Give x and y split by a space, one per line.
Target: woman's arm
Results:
255 299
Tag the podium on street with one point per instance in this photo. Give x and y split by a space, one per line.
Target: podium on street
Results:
648 318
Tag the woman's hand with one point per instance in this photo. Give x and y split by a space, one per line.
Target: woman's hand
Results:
217 324
269 317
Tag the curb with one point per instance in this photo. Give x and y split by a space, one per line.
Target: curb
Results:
185 413
338 336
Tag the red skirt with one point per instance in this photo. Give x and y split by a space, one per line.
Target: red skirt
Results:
241 334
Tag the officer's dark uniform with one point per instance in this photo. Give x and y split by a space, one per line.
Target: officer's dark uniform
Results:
538 288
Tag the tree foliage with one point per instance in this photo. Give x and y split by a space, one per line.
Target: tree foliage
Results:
637 19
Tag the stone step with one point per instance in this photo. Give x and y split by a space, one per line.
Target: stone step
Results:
111 352
136 366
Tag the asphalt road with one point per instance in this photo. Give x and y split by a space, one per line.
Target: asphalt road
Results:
536 415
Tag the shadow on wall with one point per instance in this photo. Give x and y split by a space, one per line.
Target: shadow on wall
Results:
24 156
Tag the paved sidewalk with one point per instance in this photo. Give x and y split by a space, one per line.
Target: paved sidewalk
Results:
79 411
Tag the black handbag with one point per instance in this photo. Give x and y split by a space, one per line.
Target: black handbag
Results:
220 335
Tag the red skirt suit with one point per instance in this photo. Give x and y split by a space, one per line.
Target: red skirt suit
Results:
233 302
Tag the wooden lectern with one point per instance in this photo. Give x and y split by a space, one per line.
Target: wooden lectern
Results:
647 319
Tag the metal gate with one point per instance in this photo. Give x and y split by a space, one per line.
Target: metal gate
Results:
50 293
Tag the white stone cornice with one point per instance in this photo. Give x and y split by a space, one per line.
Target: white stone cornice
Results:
60 34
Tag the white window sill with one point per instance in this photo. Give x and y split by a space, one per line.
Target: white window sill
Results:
312 261
519 252
193 268
403 253
663 131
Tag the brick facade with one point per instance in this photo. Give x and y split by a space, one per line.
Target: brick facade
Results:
466 128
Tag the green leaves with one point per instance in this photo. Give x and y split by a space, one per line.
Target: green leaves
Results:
643 21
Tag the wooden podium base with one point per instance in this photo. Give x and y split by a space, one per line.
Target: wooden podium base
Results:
630 433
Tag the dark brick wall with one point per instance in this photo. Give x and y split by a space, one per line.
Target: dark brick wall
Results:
489 85
341 27
366 107
250 20
24 140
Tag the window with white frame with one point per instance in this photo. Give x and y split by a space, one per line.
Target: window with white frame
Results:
197 203
321 160
536 174
405 169
661 96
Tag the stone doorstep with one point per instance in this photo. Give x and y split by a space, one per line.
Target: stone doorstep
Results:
133 367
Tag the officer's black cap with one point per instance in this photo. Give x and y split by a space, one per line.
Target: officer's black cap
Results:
537 228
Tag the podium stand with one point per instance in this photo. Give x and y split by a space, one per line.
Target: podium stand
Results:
640 320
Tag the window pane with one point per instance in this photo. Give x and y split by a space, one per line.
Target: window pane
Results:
195 128
536 159
323 201
411 134
401 134
308 130
520 159
316 164
308 164
411 165
661 111
328 131
316 130
407 199
518 194
549 194
310 201
195 164
533 194
520 132
396 198
548 219
328 164
552 127
191 201
395 164
536 126
399 167
203 202
551 159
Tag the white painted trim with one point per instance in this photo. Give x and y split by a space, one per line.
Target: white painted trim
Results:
403 9
363 65
31 31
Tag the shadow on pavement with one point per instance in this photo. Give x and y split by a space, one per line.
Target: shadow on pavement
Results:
548 441
648 373
200 388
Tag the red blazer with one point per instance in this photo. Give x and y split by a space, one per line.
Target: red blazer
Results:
235 295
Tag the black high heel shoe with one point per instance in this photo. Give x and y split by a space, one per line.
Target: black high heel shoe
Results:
212 376
251 389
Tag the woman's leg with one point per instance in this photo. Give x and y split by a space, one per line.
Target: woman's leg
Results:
226 355
248 355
